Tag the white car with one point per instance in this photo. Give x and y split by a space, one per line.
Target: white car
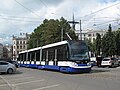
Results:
7 67
110 62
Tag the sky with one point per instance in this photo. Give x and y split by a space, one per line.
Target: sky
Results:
23 16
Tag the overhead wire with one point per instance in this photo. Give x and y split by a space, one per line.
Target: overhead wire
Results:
26 8
19 17
97 12
43 3
100 10
104 23
13 24
21 20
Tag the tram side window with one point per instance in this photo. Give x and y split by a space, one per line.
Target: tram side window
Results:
38 55
21 57
44 55
29 56
62 53
65 53
24 57
51 54
33 56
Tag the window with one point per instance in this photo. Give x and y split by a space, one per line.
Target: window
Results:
24 47
102 34
17 42
84 35
17 47
90 39
20 47
20 42
89 35
3 63
23 42
17 52
93 39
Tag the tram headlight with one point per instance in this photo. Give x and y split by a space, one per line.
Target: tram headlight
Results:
89 64
74 64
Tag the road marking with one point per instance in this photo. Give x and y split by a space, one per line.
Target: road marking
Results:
47 87
20 78
27 82
3 85
7 82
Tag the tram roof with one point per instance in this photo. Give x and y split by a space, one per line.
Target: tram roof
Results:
46 46
23 52
54 44
33 49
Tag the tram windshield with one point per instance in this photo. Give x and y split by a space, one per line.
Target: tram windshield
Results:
79 50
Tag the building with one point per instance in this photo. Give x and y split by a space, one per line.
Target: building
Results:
84 34
90 34
1 50
7 51
20 44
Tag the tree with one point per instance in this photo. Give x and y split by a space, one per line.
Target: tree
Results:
108 43
117 40
50 32
98 44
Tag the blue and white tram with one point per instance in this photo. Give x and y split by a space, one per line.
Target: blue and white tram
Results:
64 56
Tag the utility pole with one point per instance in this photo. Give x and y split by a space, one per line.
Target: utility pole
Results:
73 22
80 31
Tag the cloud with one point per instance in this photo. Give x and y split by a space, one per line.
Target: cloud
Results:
16 18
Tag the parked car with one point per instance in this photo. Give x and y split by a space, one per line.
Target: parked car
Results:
110 62
119 61
13 62
7 67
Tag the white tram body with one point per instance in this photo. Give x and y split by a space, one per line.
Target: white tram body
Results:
64 56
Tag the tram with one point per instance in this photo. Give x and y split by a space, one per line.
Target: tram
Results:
66 56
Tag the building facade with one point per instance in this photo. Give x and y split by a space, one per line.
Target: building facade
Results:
90 34
1 50
7 51
20 44
84 34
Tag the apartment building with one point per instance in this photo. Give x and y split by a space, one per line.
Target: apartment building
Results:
90 34
20 44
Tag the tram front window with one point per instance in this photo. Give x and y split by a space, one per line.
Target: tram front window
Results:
79 51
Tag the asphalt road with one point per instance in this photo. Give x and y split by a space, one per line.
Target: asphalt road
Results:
33 79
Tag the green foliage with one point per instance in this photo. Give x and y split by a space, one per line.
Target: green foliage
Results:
117 40
108 43
50 32
91 46
98 44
